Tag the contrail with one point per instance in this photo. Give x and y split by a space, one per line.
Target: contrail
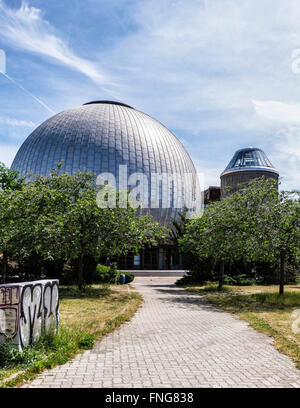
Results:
29 93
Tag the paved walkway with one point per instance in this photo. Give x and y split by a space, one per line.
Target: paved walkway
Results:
176 339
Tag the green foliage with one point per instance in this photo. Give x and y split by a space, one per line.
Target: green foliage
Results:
179 226
268 273
291 299
86 341
253 225
63 343
9 179
239 280
56 220
11 356
114 269
107 274
103 269
111 274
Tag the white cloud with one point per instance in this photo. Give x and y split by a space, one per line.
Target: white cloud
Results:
199 64
285 118
16 122
287 156
25 28
278 111
213 67
7 154
210 175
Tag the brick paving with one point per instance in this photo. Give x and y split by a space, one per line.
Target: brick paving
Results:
176 339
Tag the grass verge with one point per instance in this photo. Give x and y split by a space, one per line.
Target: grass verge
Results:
85 316
263 309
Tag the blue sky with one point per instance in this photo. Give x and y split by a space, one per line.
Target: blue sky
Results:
220 74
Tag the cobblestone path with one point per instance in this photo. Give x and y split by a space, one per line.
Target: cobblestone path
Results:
176 339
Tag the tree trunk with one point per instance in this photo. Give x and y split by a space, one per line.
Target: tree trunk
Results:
213 265
80 272
143 260
282 274
4 267
221 276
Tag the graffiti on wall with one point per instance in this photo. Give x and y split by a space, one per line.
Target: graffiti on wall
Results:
9 311
28 310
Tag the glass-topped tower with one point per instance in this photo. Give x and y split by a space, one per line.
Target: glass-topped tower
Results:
246 164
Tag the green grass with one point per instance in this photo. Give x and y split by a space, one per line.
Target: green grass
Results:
288 299
207 287
87 292
256 302
85 316
6 373
49 352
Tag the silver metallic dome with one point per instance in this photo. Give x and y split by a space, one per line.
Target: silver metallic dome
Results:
100 136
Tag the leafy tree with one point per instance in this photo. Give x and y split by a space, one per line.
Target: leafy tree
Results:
179 225
9 179
22 212
190 260
276 228
215 236
87 230
254 224
57 218
270 223
7 232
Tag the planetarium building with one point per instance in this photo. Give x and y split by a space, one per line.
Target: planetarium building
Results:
111 138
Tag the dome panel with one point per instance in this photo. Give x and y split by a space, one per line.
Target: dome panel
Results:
99 137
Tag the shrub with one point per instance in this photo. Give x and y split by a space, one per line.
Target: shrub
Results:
103 274
239 280
229 280
86 341
11 356
268 274
107 274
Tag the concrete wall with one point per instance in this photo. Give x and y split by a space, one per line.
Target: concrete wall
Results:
27 310
235 178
